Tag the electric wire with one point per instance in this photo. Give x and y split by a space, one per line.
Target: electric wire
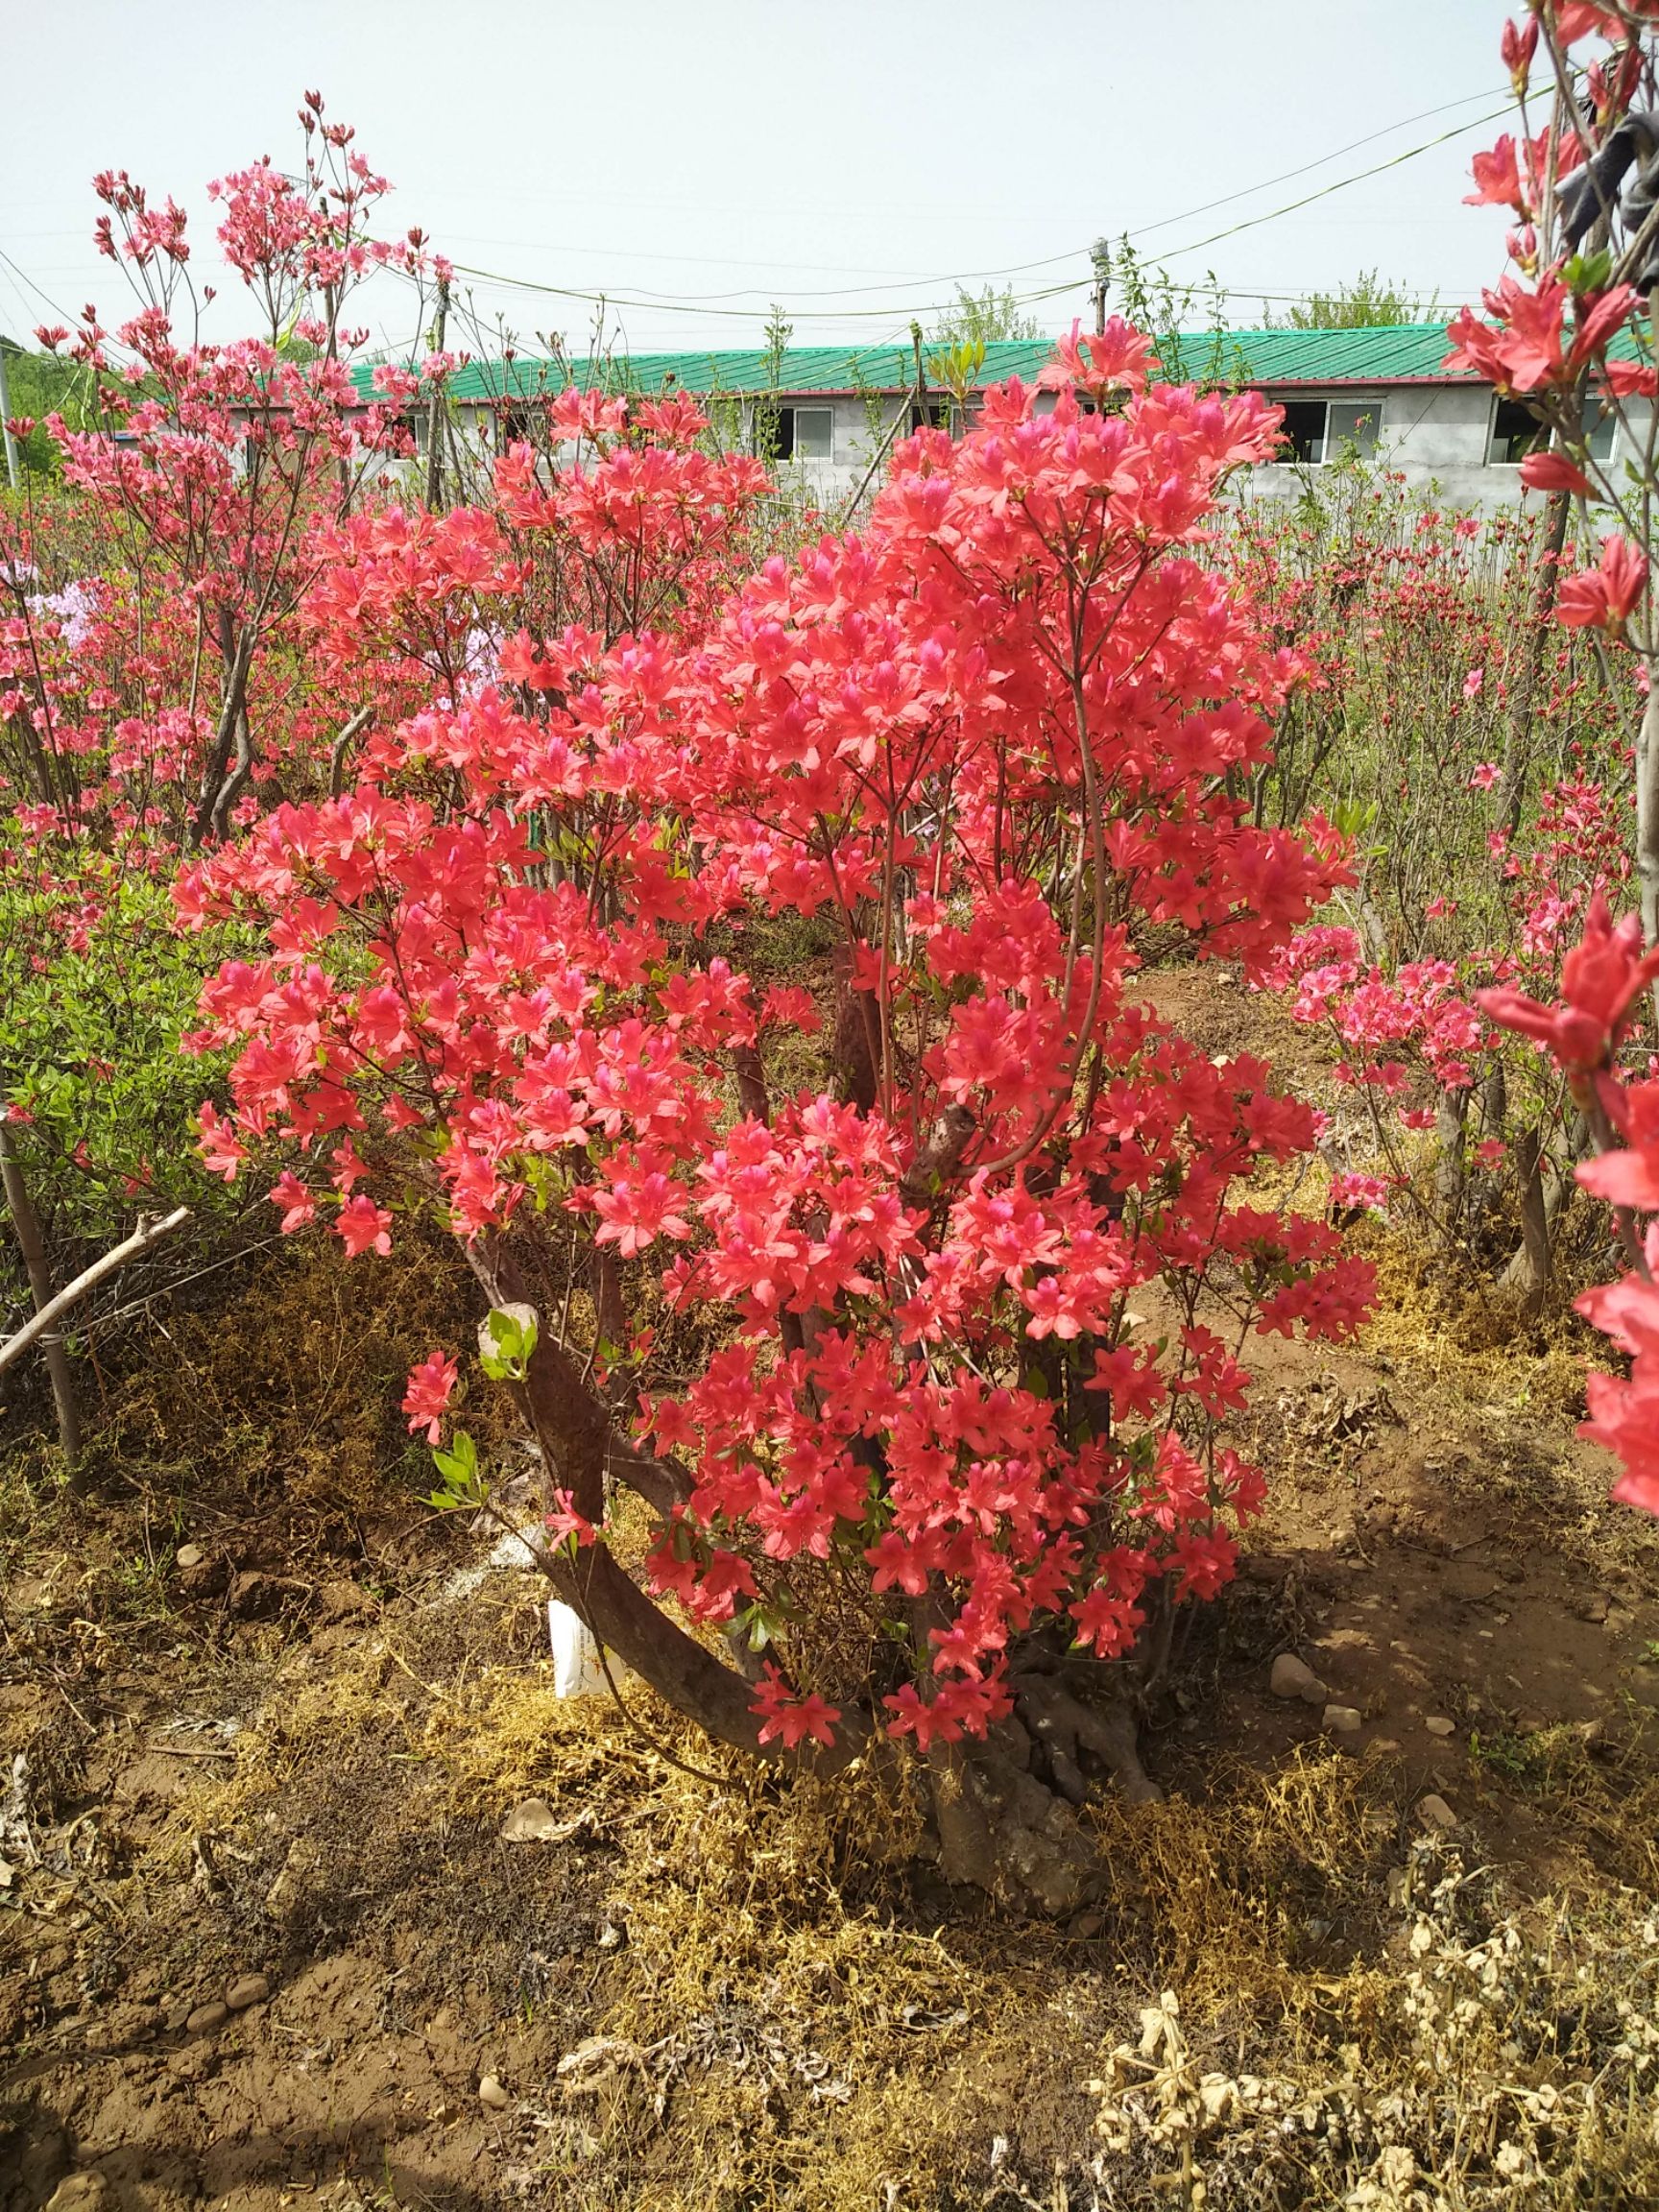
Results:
643 300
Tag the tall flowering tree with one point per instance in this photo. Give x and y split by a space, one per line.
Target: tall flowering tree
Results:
1603 979
884 1309
1566 337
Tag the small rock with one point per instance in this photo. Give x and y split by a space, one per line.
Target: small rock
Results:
1293 1677
1385 1744
1437 1724
491 2094
79 2193
247 1989
1342 1719
1435 1811
610 1936
535 1821
206 2018
189 1555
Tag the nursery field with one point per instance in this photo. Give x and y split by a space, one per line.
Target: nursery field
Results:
828 1335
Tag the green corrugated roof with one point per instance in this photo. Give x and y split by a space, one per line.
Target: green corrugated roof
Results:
800 369
1408 352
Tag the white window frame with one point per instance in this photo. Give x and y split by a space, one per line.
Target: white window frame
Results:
1366 406
1371 405
813 407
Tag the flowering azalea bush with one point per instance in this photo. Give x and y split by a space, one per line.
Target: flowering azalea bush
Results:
1563 683
1567 326
906 1298
1602 982
1476 756
135 708
1435 1084
152 691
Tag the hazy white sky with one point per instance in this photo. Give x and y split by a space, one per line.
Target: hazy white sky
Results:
725 153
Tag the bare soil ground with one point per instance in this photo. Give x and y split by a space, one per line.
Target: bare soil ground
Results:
263 1943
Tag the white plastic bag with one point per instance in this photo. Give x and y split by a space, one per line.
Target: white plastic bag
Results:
576 1668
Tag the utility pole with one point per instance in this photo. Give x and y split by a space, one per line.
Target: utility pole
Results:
1100 253
435 416
11 470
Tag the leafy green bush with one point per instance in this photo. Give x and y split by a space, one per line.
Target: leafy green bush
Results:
96 995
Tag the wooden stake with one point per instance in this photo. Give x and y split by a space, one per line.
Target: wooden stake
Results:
28 1228
435 416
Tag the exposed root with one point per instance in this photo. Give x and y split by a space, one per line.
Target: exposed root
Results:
1004 1828
1065 1727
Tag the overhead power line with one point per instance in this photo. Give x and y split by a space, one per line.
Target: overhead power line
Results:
1071 254
1053 261
24 274
643 300
1266 184
1341 184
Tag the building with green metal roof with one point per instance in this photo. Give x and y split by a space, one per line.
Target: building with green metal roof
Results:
829 412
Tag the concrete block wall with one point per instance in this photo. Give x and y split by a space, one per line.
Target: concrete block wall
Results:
1436 435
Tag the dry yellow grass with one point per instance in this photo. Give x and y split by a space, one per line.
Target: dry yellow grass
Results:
1364 2015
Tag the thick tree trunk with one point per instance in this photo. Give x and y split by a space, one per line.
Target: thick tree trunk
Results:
231 740
1006 1825
574 1429
1450 1168
1002 1810
855 1046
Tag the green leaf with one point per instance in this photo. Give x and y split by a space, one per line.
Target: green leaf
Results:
507 1342
458 1465
1588 271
